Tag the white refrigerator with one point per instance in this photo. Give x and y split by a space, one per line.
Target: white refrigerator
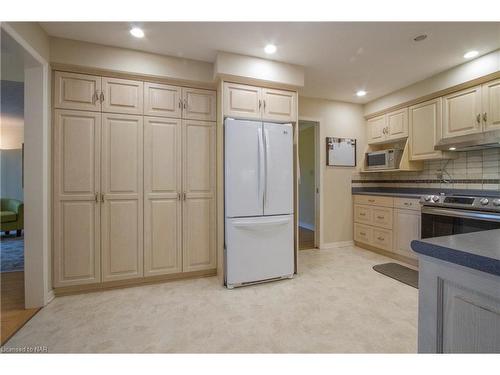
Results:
258 162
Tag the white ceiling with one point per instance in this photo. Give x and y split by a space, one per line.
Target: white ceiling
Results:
339 57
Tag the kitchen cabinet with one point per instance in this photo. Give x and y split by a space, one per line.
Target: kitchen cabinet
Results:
462 112
122 96
162 100
397 124
491 105
376 129
199 104
257 103
406 229
76 212
198 212
122 197
77 91
162 193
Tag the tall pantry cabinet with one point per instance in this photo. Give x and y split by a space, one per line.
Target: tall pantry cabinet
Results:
134 191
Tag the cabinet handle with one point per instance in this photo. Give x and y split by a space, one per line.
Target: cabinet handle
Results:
102 96
380 238
260 103
185 103
264 105
380 217
362 214
95 97
178 196
184 196
362 233
97 197
407 204
371 200
180 103
485 117
478 118
102 197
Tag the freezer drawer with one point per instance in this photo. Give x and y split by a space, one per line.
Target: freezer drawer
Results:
259 248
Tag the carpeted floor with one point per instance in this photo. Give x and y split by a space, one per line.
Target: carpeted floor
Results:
11 253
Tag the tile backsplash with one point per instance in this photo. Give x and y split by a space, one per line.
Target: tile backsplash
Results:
471 170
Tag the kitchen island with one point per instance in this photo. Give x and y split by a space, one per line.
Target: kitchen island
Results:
459 293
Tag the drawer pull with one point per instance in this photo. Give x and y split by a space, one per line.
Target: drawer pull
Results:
380 238
371 200
362 214
362 233
380 217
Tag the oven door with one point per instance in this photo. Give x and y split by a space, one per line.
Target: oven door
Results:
442 221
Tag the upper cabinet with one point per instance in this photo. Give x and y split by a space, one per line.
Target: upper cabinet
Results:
199 104
491 105
256 103
462 112
425 130
389 127
122 96
162 100
77 91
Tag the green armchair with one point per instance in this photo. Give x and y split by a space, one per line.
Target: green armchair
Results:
12 215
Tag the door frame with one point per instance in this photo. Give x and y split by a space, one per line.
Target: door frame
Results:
318 177
37 194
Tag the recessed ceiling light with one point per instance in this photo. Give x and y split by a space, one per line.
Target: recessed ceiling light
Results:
137 32
452 148
471 54
419 38
361 93
270 48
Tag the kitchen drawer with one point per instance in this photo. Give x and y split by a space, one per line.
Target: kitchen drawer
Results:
382 217
362 214
382 239
407 203
362 233
374 200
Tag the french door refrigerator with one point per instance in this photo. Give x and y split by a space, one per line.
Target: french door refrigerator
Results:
258 164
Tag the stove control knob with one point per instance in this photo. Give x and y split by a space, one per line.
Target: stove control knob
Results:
496 202
427 198
484 201
435 198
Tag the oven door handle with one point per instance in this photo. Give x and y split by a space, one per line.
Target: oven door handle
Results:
465 214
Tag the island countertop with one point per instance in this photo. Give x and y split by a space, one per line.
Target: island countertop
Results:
477 250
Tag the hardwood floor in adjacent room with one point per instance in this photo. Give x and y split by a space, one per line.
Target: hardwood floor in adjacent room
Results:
14 315
306 239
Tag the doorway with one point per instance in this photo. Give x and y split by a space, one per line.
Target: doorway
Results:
308 184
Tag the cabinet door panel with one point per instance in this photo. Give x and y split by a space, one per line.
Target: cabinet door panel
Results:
199 195
382 239
397 123
122 186
162 100
77 91
491 105
279 105
362 214
462 112
199 104
362 233
162 186
382 217
122 96
425 130
406 229
76 217
242 101
376 128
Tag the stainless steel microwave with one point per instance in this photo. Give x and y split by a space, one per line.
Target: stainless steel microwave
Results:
383 159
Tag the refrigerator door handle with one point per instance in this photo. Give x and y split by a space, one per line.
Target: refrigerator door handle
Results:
250 223
266 151
261 166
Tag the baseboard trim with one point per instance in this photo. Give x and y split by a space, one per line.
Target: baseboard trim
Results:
337 244
389 254
50 296
306 225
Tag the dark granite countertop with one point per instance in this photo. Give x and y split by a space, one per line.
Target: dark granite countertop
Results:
478 250
388 194
418 192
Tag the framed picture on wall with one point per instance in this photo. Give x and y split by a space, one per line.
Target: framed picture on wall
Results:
340 152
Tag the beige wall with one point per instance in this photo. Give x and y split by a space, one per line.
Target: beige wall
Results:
476 68
337 119
307 181
90 55
34 35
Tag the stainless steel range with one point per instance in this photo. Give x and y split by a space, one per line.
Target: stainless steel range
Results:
444 215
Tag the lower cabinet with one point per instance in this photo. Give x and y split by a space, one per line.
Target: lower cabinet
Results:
406 229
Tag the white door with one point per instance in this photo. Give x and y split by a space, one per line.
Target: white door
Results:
259 248
77 91
76 209
278 193
162 100
199 104
242 101
462 112
244 168
278 105
122 187
122 96
198 213
162 189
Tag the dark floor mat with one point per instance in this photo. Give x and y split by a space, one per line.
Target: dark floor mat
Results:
398 272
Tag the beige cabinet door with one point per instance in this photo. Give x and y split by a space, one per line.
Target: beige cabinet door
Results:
491 105
462 112
162 100
162 192
425 130
122 206
77 91
376 129
198 214
122 96
242 101
406 229
279 105
76 215
199 104
397 124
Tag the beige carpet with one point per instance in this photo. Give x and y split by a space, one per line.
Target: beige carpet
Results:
337 304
